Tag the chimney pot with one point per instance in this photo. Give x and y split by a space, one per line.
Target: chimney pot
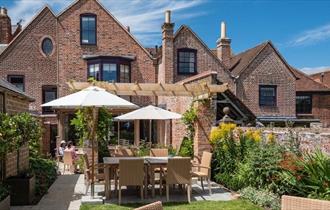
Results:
168 16
128 28
223 30
3 11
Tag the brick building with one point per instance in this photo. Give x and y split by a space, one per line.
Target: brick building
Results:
85 40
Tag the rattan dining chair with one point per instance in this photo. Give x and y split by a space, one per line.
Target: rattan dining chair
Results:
67 161
204 170
131 173
124 152
152 206
178 172
159 152
98 175
156 170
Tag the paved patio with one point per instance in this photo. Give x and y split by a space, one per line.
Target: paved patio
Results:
67 190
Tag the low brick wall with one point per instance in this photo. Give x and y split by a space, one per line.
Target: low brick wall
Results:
308 138
11 161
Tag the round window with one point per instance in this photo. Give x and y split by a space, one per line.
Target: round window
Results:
47 46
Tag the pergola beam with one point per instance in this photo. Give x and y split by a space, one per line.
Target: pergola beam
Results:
155 89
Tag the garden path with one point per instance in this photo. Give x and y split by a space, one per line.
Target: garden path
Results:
64 194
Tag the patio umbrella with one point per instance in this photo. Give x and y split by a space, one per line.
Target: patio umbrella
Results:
95 98
149 113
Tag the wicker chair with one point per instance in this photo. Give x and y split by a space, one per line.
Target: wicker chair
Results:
152 206
67 161
204 170
156 170
131 173
178 172
124 152
98 175
298 203
158 152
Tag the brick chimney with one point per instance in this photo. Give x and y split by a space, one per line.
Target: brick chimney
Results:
5 26
166 69
223 46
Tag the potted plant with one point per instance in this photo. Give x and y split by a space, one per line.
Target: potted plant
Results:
4 198
22 186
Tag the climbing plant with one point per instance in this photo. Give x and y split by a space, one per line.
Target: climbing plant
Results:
83 123
188 118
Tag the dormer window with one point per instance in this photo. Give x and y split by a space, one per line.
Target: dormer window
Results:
187 61
88 29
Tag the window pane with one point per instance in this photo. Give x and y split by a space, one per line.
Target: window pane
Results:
187 61
48 94
88 29
17 80
124 73
267 96
304 104
110 72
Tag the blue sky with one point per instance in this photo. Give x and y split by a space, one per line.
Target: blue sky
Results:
299 29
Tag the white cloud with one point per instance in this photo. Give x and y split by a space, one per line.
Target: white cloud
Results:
311 36
144 17
313 70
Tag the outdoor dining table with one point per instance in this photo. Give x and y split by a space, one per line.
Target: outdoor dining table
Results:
112 163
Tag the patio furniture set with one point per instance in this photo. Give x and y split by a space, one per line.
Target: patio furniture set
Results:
157 169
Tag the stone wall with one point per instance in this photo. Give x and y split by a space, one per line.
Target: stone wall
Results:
11 161
308 138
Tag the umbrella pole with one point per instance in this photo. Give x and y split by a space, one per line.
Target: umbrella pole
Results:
118 131
150 132
95 121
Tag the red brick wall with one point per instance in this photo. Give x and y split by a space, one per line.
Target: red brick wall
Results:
15 104
11 161
268 69
112 39
321 108
5 28
206 61
24 57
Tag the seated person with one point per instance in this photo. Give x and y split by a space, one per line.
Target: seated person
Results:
61 149
70 147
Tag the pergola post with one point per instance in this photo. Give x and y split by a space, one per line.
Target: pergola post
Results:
161 132
136 132
60 128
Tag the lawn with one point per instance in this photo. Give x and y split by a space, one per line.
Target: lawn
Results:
197 205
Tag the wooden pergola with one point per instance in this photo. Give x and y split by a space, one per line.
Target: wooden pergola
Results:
155 89
194 90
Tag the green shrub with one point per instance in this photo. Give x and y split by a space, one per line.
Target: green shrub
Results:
4 192
186 148
312 179
45 172
83 126
28 129
261 197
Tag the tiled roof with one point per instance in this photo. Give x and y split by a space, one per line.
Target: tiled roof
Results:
322 77
240 61
12 88
306 83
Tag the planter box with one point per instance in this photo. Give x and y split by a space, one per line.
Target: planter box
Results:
22 190
5 203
